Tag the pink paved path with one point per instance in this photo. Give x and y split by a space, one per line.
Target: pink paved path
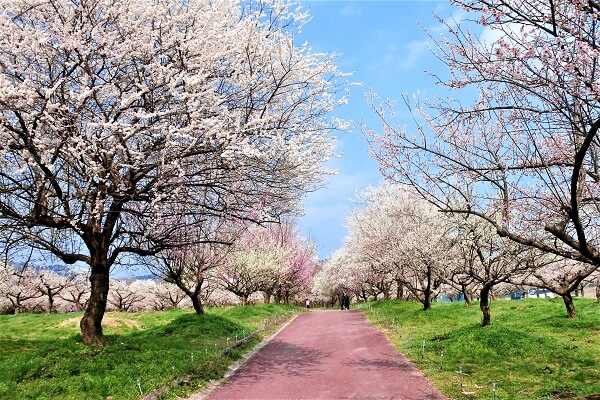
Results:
327 355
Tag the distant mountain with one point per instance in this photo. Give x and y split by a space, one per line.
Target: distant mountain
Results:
147 277
63 270
60 269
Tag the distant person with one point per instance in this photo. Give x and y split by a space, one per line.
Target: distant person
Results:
345 302
307 303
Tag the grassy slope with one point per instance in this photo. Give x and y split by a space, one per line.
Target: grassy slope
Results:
531 350
42 356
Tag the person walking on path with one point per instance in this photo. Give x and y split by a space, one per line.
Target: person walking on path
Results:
328 355
345 302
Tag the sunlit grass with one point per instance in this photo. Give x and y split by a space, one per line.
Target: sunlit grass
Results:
531 350
43 357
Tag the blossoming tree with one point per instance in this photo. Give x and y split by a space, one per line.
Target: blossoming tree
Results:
273 259
116 115
520 150
77 292
486 261
51 284
336 277
402 239
18 287
559 275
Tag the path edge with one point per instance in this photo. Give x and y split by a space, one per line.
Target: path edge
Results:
213 384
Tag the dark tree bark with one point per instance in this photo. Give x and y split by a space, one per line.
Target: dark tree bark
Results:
568 300
91 323
484 305
244 298
267 298
427 291
399 290
466 295
197 304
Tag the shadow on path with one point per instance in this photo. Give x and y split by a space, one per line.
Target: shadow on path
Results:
327 355
286 359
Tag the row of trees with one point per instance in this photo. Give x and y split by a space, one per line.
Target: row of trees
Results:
25 289
143 128
400 246
512 153
274 260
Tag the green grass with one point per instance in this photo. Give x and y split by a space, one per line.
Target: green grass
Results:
531 350
43 357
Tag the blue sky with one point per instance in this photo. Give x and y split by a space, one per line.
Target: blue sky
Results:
383 43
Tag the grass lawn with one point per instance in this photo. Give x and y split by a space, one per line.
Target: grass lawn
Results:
43 356
530 351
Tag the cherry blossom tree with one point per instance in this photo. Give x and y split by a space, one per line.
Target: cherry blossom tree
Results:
18 286
559 275
458 279
493 260
77 292
254 264
123 296
299 265
51 284
520 150
117 116
188 267
335 278
400 239
166 296
274 259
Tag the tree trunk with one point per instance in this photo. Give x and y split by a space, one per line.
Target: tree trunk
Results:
399 291
50 301
195 295
568 300
50 309
364 295
91 323
427 292
267 298
244 299
598 290
197 304
426 303
484 305
467 297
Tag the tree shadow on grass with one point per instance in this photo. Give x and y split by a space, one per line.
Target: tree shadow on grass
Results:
151 354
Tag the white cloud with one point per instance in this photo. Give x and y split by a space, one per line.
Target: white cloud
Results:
326 209
350 10
395 58
415 51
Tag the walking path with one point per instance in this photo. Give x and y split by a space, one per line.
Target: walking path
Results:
329 355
